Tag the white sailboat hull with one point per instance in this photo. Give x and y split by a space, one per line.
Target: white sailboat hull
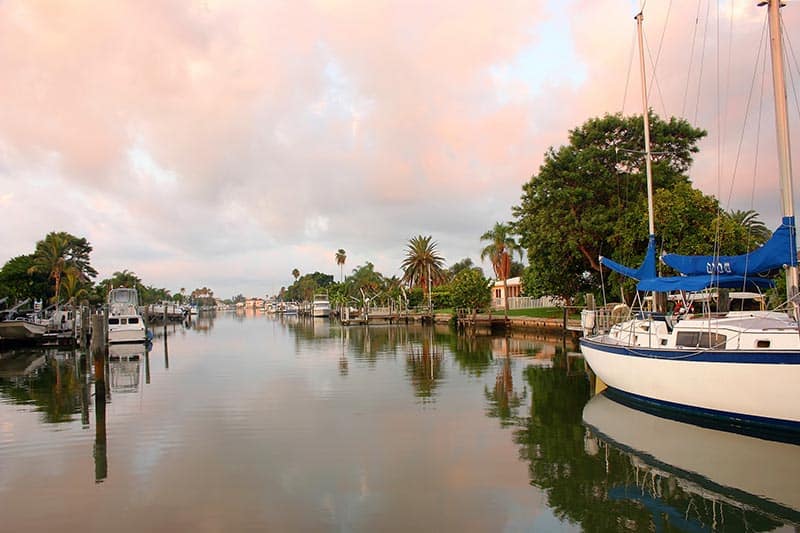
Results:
744 390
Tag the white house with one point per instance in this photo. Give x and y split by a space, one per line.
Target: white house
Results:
515 298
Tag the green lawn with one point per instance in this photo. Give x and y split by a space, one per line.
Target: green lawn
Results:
543 312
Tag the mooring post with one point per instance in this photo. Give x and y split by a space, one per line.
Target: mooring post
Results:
100 397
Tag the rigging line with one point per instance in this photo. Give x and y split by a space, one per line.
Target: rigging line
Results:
749 100
628 77
702 62
691 59
654 79
790 51
726 86
660 45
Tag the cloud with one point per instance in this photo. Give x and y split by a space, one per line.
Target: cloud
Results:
194 143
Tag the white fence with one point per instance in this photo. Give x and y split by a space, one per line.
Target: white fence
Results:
526 302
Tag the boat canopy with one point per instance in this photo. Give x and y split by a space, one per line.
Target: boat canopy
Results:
779 251
647 270
704 281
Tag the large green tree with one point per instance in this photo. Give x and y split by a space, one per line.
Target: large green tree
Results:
59 253
570 211
18 282
470 290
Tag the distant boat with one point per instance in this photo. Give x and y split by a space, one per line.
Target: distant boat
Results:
124 322
719 465
321 306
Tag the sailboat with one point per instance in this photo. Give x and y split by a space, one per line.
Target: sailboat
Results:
742 367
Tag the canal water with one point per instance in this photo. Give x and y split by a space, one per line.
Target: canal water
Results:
248 422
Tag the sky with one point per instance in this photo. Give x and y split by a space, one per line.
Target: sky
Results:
225 143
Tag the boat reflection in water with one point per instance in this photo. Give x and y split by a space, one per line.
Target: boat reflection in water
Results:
124 367
735 473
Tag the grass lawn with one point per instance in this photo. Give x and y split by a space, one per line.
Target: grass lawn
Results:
542 312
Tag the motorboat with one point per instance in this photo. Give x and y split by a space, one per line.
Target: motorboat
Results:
321 306
125 324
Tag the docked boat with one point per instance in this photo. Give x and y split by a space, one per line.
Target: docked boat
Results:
739 366
124 322
321 306
748 472
16 326
22 329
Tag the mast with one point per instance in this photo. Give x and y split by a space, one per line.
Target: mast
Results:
646 119
782 127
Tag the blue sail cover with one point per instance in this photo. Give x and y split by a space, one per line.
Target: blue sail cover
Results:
647 270
779 251
704 281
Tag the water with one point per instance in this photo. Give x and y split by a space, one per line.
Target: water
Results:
250 423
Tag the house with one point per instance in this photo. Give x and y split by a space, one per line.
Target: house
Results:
515 298
514 289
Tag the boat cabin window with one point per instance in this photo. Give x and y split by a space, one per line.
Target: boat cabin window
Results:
762 344
113 320
122 297
133 320
700 339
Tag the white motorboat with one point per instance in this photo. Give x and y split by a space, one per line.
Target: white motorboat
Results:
321 306
742 366
124 322
22 329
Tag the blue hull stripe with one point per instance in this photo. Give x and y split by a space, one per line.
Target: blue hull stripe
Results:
765 357
755 426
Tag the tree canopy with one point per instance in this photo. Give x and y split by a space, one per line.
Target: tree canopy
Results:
589 198
470 290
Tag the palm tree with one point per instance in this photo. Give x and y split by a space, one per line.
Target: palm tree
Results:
295 273
756 229
74 286
50 258
500 250
423 265
341 257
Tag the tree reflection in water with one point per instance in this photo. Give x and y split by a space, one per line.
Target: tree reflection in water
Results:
504 401
48 379
598 486
424 367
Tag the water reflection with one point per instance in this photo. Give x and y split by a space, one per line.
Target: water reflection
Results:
48 379
632 471
309 426
124 366
677 464
504 400
424 366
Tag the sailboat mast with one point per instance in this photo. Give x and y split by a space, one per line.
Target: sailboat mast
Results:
646 119
782 125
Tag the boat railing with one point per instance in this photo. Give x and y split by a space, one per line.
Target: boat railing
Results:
598 321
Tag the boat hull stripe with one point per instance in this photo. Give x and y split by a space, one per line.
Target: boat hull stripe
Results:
699 354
